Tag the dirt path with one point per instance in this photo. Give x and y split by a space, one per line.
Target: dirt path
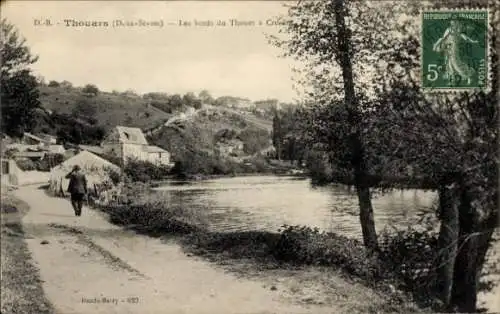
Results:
89 260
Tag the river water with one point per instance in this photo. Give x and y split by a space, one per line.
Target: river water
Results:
268 202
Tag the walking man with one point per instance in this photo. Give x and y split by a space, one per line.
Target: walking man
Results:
77 188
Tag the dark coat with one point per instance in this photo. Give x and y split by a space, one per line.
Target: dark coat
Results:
77 183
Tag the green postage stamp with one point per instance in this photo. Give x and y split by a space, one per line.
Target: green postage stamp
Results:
455 50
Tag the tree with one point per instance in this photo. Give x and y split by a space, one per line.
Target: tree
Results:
54 84
84 108
197 104
189 99
175 102
460 156
19 88
66 84
319 34
277 134
449 140
90 89
205 97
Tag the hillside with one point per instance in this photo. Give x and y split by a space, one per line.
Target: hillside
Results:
109 109
213 139
219 137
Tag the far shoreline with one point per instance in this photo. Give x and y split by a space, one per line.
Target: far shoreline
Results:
203 177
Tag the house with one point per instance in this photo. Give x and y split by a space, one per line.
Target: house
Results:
12 175
42 139
130 143
96 170
35 151
56 149
157 155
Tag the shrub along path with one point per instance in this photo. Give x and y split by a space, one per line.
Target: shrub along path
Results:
88 265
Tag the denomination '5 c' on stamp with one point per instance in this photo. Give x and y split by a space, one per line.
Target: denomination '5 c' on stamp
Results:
455 50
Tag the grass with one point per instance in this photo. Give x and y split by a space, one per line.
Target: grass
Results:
22 290
111 109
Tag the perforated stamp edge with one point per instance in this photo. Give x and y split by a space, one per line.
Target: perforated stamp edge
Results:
489 51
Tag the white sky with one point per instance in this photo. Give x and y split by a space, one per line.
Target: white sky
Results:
235 61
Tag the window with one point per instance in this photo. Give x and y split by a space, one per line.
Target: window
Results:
159 155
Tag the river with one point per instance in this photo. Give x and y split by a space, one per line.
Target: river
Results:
268 202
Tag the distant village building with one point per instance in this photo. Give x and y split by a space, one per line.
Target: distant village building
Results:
96 170
130 143
35 147
41 139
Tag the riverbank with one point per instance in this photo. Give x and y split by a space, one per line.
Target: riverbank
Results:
270 167
22 291
200 177
404 271
293 249
92 266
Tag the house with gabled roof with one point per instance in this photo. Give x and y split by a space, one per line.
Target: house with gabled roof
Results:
130 143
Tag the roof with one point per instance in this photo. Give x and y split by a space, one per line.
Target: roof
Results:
45 138
56 149
30 154
22 147
34 137
131 135
87 161
154 149
93 149
93 166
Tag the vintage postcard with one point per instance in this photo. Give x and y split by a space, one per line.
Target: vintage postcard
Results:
249 157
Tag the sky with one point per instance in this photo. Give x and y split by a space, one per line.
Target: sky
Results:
225 60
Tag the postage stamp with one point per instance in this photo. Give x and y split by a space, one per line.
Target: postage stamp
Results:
455 50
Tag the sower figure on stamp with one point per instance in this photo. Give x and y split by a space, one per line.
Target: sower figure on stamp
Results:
451 44
77 188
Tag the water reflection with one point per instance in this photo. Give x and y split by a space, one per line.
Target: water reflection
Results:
268 202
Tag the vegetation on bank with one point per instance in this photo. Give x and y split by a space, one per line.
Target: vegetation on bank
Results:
45 164
403 268
137 171
22 290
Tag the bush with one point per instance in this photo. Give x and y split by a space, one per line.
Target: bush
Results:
319 167
26 164
144 171
407 258
9 153
305 245
114 175
255 140
50 161
412 257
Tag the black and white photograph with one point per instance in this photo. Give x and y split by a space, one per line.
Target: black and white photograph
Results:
250 157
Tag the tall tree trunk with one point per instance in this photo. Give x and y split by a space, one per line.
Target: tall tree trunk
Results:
475 237
465 279
354 117
447 243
